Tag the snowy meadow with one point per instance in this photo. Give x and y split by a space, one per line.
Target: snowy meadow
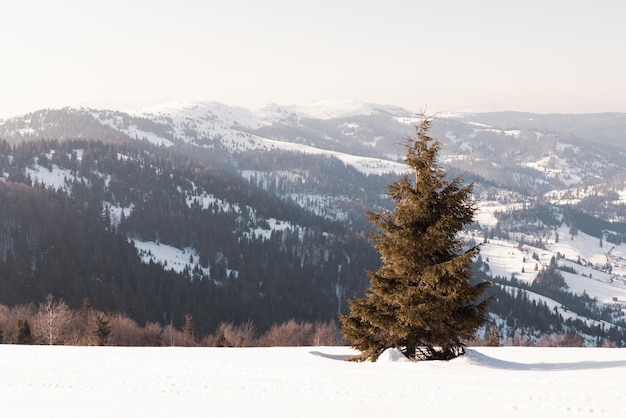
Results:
63 381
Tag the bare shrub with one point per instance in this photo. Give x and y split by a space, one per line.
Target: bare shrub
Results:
288 334
246 334
208 341
172 337
492 339
231 335
21 333
517 341
523 341
5 322
152 335
326 333
25 311
19 320
567 339
124 331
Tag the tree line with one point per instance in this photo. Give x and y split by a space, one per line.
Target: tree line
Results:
53 322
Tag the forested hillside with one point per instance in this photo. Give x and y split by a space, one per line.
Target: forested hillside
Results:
80 229
231 214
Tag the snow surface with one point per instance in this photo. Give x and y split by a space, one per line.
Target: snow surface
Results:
308 382
330 109
171 258
506 257
232 125
54 178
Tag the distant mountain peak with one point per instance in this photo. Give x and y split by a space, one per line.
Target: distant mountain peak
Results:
334 109
176 107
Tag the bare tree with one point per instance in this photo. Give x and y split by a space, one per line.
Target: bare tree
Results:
53 321
172 336
247 334
5 321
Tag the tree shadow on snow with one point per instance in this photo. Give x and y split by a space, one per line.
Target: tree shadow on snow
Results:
481 359
341 357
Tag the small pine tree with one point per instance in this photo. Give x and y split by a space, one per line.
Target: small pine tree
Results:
421 300
220 340
21 333
492 338
100 330
189 330
85 309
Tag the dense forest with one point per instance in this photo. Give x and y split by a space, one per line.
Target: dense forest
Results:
69 241
74 214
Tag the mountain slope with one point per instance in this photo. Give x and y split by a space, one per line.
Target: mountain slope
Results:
245 253
245 200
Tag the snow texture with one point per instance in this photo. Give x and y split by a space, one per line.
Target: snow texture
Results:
68 382
232 125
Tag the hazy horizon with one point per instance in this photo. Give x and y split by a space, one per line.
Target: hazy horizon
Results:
540 57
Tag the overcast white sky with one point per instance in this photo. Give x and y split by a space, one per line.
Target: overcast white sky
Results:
536 55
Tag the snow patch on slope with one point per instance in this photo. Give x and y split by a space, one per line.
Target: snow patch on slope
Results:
53 178
171 258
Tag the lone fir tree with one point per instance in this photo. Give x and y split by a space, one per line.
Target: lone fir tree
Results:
421 300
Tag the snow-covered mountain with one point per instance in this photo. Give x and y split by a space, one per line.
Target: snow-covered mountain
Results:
552 188
565 158
554 149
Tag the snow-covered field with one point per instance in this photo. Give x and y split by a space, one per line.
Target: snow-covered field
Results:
42 381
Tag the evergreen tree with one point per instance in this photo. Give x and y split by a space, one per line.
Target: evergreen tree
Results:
220 340
100 330
189 330
21 332
421 300
492 339
85 309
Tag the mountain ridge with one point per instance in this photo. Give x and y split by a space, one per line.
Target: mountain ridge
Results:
535 177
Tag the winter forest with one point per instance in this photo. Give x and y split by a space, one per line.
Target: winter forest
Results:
160 222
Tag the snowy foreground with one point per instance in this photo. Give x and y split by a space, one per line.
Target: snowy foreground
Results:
41 381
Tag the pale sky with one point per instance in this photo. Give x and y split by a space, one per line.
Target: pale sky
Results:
547 56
